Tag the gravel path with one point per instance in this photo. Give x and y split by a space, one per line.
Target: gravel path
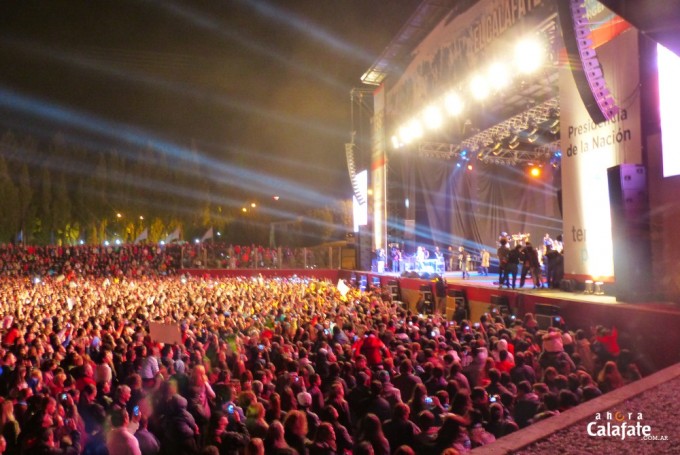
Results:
659 409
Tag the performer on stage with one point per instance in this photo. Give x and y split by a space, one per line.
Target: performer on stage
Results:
452 259
421 255
396 259
502 254
486 259
463 261
439 260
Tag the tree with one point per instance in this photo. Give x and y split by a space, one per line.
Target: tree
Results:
62 208
9 206
25 196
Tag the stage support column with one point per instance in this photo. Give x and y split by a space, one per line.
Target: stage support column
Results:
379 172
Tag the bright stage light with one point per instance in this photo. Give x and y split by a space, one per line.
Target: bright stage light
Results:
432 117
479 87
453 104
499 76
412 130
535 171
469 167
395 142
529 55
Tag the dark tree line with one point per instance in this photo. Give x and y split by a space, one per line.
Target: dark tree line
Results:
55 191
59 192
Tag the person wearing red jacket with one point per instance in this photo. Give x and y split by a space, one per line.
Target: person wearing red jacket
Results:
609 339
372 347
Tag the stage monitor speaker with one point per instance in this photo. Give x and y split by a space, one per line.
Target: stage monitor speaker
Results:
629 208
568 285
428 299
500 300
455 293
393 287
499 305
545 321
547 310
547 316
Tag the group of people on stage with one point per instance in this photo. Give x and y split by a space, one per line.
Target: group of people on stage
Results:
527 260
452 260
516 256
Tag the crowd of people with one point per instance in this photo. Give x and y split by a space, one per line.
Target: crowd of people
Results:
135 260
268 366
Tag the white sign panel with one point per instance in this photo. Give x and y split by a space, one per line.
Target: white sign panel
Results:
588 149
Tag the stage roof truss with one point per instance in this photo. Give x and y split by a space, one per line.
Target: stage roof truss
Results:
492 144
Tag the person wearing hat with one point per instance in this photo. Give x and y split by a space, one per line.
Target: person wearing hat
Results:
304 400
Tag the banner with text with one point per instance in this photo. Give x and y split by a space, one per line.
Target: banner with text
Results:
588 149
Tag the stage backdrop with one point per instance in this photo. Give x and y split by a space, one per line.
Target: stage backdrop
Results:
588 150
457 206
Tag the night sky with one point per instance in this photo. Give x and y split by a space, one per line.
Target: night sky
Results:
262 85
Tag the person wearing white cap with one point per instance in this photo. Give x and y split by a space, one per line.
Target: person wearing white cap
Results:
304 404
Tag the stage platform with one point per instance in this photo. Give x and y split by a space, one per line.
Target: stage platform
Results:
648 329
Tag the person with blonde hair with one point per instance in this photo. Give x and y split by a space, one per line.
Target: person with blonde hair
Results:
255 422
200 394
610 378
9 427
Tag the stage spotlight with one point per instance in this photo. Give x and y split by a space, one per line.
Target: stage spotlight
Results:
479 87
453 103
529 55
496 146
499 76
532 128
395 142
432 117
535 171
469 167
412 130
415 129
403 135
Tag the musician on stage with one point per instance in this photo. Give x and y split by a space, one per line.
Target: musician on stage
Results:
463 261
395 255
439 259
452 259
421 255
486 262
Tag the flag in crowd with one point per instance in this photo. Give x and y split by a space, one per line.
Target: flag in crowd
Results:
208 235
